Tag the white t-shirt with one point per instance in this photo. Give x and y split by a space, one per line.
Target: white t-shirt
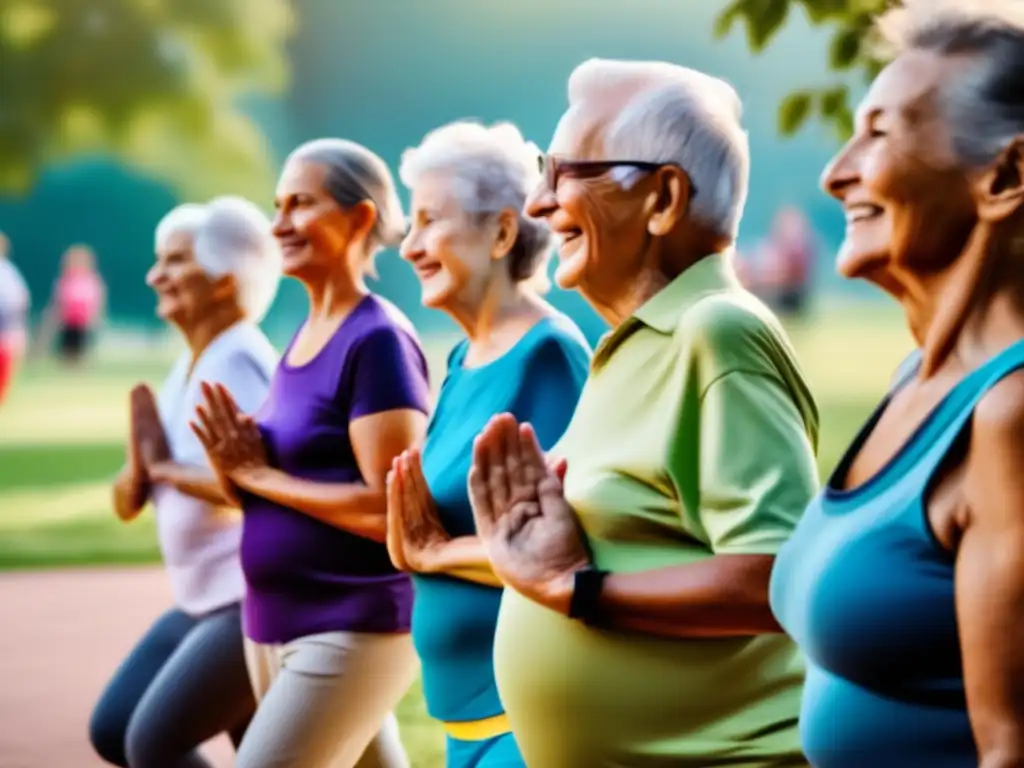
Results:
14 298
200 542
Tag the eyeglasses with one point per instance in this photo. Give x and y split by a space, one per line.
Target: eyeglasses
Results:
553 167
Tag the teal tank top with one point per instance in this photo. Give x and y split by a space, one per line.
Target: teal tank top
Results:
867 592
539 380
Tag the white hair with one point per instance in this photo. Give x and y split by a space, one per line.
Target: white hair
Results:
493 169
680 116
231 236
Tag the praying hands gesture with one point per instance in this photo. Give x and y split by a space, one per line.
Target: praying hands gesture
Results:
414 531
531 533
230 437
147 445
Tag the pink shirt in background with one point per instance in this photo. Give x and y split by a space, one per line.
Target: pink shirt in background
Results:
79 298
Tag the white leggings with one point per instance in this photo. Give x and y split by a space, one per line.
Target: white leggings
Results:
325 701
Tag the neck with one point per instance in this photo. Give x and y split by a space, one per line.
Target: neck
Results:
200 335
335 293
500 301
628 293
968 311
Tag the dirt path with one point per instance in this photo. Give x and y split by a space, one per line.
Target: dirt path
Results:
63 633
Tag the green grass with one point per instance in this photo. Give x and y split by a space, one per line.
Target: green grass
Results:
62 439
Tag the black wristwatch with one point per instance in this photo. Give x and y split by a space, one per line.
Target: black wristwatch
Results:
585 604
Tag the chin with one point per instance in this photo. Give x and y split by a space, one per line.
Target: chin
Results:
860 264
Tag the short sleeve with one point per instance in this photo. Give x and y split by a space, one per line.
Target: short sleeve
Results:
553 379
388 373
757 470
242 376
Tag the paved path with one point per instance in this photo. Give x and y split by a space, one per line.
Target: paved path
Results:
62 634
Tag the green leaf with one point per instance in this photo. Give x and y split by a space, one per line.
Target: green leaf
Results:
845 47
726 20
820 11
794 111
764 19
833 101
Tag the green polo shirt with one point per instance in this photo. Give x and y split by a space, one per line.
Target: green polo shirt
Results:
695 436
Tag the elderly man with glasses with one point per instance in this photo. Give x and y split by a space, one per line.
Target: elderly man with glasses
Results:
637 630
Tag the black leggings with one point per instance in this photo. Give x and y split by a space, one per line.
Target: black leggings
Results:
183 684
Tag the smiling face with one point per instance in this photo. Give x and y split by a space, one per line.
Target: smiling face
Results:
453 255
907 199
601 228
314 232
184 291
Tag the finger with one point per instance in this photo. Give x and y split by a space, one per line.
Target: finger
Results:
202 434
419 481
498 469
480 502
557 467
228 402
208 424
412 508
531 456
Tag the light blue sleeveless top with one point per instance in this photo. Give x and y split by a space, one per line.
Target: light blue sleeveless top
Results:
867 592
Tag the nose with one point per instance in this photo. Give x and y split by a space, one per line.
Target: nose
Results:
841 173
154 275
541 202
411 249
282 224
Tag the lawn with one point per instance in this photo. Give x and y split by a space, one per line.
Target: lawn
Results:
62 439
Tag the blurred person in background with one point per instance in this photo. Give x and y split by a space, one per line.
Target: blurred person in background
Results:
326 613
787 258
15 302
904 582
77 306
484 263
216 273
636 630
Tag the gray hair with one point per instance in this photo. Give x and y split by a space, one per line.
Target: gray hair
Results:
231 236
353 175
493 169
679 116
984 103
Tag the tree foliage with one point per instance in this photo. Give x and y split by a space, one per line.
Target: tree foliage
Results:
850 22
156 83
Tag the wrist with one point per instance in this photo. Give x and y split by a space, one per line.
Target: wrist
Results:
585 601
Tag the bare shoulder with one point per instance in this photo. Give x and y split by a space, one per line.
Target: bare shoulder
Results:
999 415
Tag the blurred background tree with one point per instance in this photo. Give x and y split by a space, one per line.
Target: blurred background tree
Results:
848 52
154 83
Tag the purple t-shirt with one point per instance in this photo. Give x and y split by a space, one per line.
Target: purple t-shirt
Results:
304 576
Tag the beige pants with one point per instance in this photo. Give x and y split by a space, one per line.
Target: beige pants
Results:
325 701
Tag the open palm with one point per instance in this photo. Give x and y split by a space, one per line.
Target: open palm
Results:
532 535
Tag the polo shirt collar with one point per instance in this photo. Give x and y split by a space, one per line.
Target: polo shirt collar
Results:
712 274
661 312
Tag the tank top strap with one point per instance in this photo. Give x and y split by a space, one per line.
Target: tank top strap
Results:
952 416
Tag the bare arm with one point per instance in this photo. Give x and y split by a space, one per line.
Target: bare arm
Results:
464 557
192 480
723 596
990 577
130 494
360 509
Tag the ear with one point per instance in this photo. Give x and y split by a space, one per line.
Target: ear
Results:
362 216
999 190
225 286
668 203
505 237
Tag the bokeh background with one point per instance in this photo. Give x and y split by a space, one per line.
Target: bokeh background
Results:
113 111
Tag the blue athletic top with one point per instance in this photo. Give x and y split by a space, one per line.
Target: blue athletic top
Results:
539 380
868 594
